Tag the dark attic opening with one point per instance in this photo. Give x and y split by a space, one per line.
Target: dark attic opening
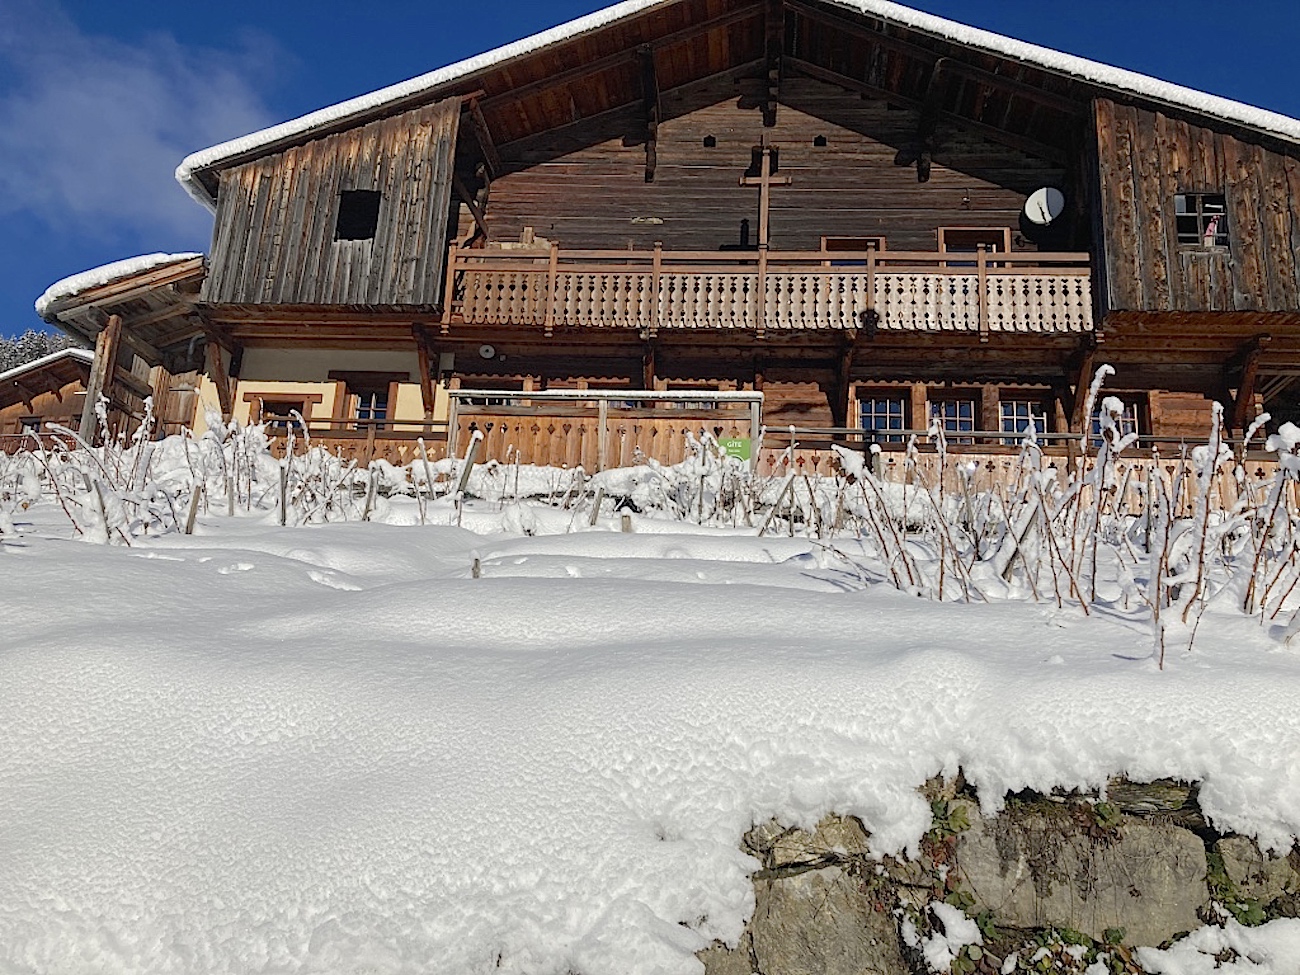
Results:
358 215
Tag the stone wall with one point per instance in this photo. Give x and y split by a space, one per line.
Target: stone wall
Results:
1059 882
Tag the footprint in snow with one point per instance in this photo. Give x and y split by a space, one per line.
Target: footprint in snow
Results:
333 583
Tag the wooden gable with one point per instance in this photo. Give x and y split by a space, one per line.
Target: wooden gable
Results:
584 186
1146 159
278 237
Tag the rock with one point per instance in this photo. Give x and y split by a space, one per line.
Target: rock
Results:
721 960
834 839
1258 876
1041 868
823 922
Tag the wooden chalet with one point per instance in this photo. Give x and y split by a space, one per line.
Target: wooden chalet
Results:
869 215
51 389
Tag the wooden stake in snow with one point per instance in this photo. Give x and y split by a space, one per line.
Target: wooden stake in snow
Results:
627 524
193 513
284 494
595 506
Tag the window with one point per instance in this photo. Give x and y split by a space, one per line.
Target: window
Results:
358 215
1130 420
30 424
371 404
1202 219
1018 414
820 142
882 414
956 415
833 245
693 404
278 414
968 240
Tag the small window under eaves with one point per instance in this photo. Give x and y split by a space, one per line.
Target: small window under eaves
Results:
1202 219
358 215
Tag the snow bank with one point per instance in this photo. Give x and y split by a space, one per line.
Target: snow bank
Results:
1273 949
332 750
107 273
1056 61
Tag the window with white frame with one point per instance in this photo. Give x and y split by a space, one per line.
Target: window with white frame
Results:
371 405
1018 414
883 416
956 415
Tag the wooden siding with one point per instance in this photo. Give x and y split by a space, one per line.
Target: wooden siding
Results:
274 238
1145 158
584 185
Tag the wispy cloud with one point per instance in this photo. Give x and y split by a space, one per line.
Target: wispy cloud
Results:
91 128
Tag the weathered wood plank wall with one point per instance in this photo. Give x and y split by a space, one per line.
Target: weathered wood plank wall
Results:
584 185
1145 159
274 240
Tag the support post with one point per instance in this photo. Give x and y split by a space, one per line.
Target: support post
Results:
1078 418
761 310
651 107
221 379
552 282
1243 405
453 425
102 371
656 281
982 262
602 444
449 287
755 433
427 393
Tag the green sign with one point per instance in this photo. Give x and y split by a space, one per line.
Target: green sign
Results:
738 447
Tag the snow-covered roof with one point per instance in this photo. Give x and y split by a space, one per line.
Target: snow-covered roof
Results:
1070 65
82 355
106 274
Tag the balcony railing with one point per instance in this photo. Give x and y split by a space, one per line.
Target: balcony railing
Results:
981 293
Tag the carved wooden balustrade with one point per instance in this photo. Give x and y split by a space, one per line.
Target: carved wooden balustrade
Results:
982 293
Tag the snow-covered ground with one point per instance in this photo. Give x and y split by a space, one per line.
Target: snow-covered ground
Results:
331 749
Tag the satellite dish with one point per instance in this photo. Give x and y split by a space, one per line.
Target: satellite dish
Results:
1045 205
487 352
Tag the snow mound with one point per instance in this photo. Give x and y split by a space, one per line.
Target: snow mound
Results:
330 749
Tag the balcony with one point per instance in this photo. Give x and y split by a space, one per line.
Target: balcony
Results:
984 293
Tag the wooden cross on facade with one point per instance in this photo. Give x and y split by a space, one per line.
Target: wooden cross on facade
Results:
764 181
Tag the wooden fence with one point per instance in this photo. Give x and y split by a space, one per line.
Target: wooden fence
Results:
904 290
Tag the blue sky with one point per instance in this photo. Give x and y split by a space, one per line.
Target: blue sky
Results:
100 99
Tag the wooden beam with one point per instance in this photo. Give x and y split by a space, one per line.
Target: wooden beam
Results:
617 59
427 392
217 373
1051 153
923 55
921 152
1083 379
142 348
480 218
648 370
775 52
487 145
1243 407
104 366
651 108
132 382
840 395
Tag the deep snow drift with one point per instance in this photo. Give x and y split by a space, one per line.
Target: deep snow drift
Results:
330 749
